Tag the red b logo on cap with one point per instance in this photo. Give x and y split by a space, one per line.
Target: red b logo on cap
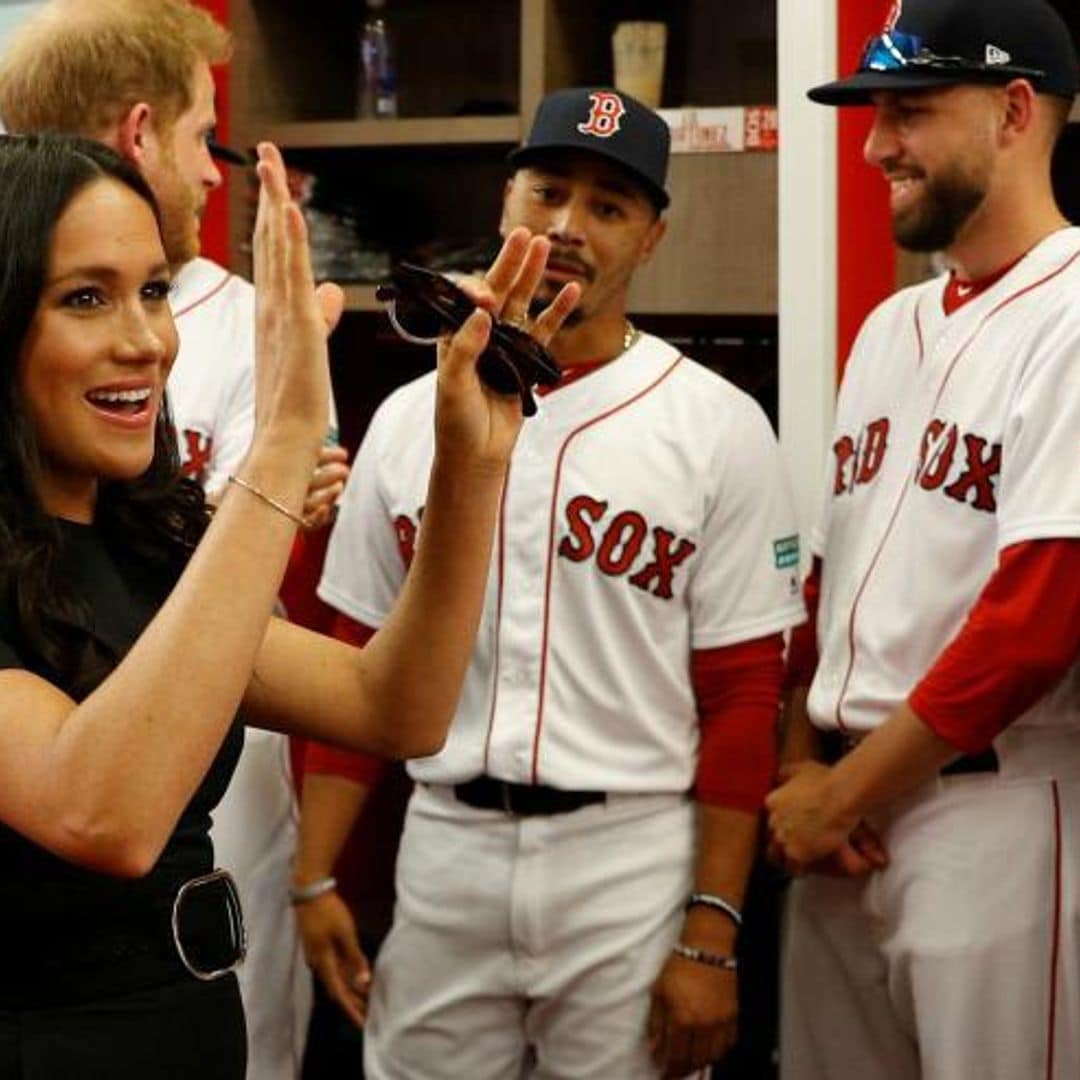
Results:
605 115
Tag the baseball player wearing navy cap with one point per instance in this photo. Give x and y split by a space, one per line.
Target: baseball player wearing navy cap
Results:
563 908
934 933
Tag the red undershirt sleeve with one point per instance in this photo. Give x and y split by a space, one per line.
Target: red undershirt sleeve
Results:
364 769
1019 640
737 688
802 655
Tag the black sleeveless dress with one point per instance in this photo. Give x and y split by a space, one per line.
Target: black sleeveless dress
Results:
91 984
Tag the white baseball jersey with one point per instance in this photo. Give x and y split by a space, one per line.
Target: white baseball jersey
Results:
645 515
211 395
955 437
211 387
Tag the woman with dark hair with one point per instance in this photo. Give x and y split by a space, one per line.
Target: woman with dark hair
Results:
126 652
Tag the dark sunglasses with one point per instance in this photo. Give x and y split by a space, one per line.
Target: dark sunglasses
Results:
895 51
424 306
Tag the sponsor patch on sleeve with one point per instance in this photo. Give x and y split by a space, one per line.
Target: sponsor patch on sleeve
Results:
786 552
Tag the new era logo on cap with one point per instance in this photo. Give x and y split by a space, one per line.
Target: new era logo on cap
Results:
605 115
932 44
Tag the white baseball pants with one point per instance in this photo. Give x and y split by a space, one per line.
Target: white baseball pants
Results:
959 960
527 946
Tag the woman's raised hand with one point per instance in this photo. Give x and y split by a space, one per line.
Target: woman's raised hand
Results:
473 421
293 318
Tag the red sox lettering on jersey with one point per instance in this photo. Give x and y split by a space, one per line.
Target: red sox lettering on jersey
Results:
973 470
619 548
976 476
196 451
605 116
405 529
621 543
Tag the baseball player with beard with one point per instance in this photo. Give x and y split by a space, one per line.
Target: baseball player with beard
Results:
155 105
935 932
563 907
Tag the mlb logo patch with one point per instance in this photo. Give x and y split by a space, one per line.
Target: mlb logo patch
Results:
786 552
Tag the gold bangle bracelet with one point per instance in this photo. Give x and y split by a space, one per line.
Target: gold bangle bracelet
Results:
281 508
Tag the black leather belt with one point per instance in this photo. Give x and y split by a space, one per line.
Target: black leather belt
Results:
835 744
191 929
525 800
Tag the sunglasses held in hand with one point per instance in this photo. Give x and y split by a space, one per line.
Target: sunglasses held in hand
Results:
423 306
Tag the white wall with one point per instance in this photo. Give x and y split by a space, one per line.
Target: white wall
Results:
807 301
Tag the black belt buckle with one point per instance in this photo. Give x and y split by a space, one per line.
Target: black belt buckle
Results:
208 926
523 800
984 761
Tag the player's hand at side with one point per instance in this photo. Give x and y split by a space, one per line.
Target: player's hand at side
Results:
293 318
805 822
471 419
327 484
332 951
861 854
693 1016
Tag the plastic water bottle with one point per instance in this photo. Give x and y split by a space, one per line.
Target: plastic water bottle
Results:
378 75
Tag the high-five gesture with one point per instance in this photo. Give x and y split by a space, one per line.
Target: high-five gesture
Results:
293 318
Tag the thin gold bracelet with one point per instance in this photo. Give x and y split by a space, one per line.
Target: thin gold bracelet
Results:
281 508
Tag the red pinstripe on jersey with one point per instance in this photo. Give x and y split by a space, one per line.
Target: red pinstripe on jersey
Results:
206 296
551 543
1055 941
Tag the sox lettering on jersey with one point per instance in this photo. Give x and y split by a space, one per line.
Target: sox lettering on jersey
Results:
605 116
196 453
938 454
621 543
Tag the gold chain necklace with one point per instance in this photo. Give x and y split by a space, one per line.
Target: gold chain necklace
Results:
630 335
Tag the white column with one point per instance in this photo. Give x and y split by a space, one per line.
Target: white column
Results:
806 33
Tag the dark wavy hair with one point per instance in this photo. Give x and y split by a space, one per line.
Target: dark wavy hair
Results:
150 524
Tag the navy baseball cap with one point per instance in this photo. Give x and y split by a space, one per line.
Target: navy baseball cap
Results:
932 43
605 122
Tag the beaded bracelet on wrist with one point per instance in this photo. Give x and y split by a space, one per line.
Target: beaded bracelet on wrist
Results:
701 956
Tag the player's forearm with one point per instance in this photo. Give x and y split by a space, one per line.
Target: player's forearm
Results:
329 808
727 843
798 736
892 760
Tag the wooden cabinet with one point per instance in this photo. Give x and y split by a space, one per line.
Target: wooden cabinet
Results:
471 73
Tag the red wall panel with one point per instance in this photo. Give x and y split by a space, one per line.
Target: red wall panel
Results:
215 233
866 260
